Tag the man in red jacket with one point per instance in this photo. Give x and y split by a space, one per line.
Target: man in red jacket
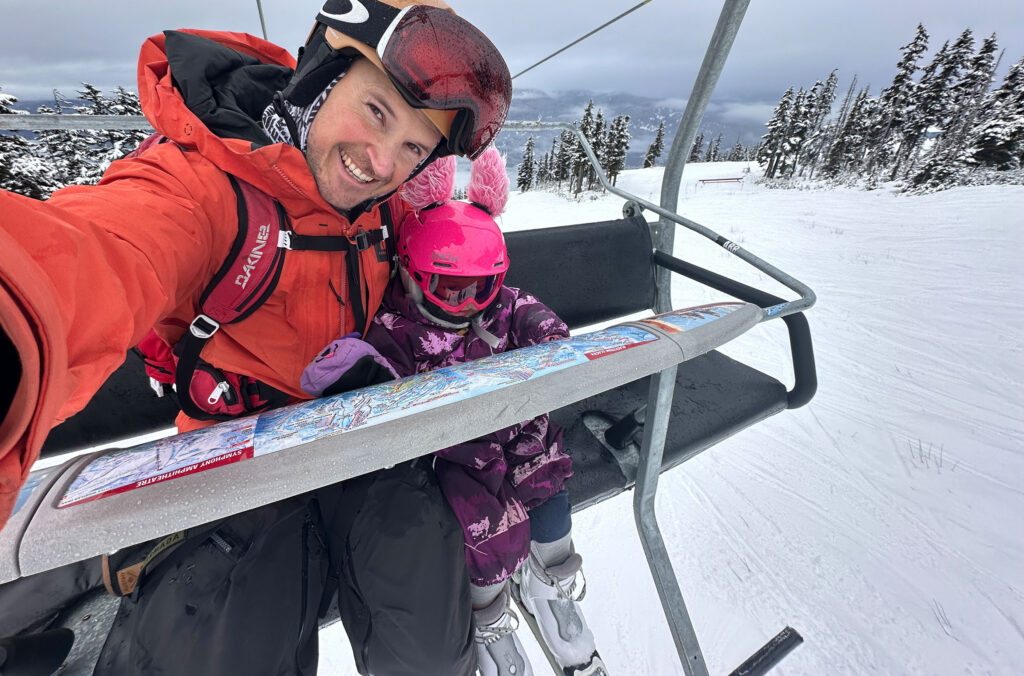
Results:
380 89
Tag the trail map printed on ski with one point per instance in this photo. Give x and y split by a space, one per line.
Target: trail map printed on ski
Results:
690 318
161 460
289 427
124 470
34 479
128 469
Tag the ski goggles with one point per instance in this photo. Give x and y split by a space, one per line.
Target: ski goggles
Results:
454 293
439 62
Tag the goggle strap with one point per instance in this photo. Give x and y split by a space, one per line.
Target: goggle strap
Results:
385 37
372 31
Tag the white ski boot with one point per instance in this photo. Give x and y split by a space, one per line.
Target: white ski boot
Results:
498 650
552 595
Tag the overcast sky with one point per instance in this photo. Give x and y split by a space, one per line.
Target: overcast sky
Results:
655 51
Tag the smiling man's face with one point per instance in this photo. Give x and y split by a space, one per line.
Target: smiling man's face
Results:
365 139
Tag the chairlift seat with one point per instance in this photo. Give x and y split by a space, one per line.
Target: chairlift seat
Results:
597 272
587 273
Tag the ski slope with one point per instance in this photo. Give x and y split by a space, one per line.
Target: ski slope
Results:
882 520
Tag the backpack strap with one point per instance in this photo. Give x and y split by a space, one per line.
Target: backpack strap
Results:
243 283
389 252
363 240
252 270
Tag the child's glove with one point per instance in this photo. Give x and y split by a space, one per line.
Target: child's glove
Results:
348 363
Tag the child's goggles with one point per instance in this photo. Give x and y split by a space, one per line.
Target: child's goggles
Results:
453 293
438 62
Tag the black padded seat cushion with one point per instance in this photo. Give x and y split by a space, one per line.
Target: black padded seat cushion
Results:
715 397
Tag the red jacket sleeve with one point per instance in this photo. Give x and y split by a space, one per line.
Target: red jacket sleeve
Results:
84 275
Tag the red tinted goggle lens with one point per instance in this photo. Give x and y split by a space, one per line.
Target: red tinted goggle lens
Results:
442 62
455 292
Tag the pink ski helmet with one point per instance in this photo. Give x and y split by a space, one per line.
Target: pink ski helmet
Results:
455 254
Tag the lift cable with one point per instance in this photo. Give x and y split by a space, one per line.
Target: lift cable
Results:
263 24
604 25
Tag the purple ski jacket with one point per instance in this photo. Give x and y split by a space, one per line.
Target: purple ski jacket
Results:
490 482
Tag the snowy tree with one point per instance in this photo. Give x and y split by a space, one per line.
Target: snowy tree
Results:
125 141
598 145
20 170
774 141
542 170
796 134
566 156
848 152
943 169
99 148
998 140
581 164
618 146
839 124
949 161
527 168
550 163
91 145
713 150
63 149
935 104
738 153
657 146
819 135
697 148
896 102
553 164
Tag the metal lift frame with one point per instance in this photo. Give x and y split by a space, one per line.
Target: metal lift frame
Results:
662 383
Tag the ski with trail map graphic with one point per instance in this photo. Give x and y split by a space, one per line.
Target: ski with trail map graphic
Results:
116 498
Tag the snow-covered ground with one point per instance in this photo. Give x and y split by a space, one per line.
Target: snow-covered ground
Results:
884 519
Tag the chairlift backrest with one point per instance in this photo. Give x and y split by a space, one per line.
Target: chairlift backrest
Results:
586 273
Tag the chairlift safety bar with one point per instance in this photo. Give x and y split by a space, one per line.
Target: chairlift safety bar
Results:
807 296
35 122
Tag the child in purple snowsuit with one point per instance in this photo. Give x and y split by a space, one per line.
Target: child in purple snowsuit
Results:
447 305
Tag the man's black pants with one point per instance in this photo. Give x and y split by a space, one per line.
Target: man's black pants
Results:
244 596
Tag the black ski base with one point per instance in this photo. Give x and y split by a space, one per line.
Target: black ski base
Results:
770 654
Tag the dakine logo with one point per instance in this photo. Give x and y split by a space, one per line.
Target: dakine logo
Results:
357 14
254 256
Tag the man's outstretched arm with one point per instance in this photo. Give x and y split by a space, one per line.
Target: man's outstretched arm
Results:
83 276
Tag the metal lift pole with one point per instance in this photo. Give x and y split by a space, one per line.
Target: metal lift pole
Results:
714 61
662 385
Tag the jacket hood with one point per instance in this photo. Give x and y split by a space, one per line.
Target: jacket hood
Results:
227 90
207 91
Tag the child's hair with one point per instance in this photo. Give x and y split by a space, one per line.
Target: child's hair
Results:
452 254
